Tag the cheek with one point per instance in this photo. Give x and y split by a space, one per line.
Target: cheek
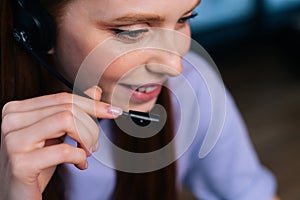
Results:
186 41
121 67
70 52
74 46
69 60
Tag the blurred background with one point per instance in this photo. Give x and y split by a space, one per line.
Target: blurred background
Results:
256 46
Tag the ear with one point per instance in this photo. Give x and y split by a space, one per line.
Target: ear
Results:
51 51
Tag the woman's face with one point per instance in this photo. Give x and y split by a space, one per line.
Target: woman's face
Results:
132 81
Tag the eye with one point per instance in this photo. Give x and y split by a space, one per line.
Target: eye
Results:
129 35
185 19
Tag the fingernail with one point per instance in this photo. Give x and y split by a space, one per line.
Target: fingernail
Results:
115 110
98 88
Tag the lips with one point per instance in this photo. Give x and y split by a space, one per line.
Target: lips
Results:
144 93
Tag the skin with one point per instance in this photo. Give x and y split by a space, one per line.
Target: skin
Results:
32 130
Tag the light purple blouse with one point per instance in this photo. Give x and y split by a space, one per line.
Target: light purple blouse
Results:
231 170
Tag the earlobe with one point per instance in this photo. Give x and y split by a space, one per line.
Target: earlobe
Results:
51 51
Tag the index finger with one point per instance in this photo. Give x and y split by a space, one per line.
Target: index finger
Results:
95 108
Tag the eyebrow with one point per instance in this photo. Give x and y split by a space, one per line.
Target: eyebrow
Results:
145 17
139 18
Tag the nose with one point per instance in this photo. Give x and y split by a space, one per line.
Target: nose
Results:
165 62
168 48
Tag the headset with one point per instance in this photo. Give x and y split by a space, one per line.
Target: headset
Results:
35 30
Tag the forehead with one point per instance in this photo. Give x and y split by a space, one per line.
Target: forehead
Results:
115 8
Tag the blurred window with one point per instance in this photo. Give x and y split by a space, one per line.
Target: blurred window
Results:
215 13
275 6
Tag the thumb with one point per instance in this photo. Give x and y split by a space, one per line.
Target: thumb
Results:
94 92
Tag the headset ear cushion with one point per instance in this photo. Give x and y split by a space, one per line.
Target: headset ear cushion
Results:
36 22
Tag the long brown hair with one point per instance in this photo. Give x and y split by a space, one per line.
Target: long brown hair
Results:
19 72
22 77
158 184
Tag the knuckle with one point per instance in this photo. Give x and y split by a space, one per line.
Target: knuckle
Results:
9 107
63 97
66 118
68 107
72 108
71 155
65 150
8 123
11 144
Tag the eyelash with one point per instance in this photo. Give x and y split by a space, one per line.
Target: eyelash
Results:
185 19
129 35
135 35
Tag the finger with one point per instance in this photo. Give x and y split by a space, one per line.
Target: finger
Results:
94 92
62 153
17 121
55 126
92 107
90 130
33 163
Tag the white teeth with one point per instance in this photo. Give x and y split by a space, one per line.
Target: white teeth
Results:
150 89
141 89
146 89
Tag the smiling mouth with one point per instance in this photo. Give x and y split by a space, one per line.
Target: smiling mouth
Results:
144 93
145 89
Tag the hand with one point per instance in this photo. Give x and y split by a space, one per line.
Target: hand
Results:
32 133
